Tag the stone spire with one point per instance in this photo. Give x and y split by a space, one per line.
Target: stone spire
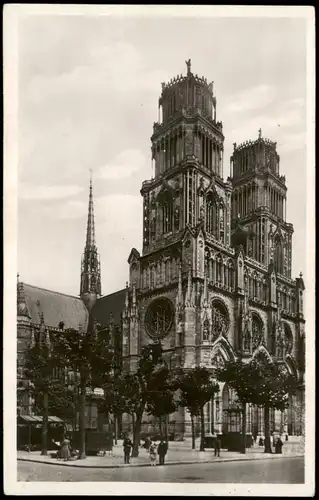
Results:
22 307
126 296
90 231
90 271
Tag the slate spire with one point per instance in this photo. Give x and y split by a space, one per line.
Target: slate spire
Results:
90 270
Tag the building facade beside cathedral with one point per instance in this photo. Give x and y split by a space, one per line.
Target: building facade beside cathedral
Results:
213 281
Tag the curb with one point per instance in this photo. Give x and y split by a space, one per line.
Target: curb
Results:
188 462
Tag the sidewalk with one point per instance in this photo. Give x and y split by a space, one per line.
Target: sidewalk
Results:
178 453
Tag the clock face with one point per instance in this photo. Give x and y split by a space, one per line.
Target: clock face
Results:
159 318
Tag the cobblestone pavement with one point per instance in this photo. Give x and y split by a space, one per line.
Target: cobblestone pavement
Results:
285 470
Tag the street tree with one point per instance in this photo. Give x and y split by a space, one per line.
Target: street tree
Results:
87 356
242 378
160 398
114 401
39 365
196 388
263 383
136 388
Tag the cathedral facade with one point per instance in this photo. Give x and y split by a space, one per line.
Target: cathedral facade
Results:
213 281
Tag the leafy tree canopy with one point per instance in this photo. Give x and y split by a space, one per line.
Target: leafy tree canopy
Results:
196 389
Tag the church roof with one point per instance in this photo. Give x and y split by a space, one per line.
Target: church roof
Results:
56 307
104 306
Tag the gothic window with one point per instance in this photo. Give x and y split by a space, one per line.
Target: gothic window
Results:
255 292
189 198
221 223
293 302
284 299
211 215
257 331
231 274
247 340
219 268
279 255
288 339
159 318
167 214
220 319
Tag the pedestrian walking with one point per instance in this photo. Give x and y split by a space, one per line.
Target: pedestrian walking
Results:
162 450
278 446
127 446
217 447
65 449
152 453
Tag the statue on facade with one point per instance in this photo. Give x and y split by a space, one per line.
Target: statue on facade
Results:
206 330
188 64
176 218
280 347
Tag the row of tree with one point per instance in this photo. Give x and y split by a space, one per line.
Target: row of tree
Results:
152 388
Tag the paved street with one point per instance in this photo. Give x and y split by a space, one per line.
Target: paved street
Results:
285 470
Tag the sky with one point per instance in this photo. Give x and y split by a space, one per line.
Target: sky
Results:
88 90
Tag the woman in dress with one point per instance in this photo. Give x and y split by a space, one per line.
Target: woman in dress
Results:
152 453
65 449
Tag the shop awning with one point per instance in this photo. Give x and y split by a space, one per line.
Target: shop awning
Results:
28 419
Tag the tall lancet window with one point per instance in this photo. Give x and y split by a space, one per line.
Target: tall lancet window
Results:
212 215
221 222
167 213
279 255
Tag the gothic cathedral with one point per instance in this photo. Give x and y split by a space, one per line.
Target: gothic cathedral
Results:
213 282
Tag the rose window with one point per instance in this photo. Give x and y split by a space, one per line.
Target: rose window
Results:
159 318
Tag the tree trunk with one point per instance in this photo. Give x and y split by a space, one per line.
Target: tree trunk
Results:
115 429
193 432
166 430
213 416
243 450
82 422
202 430
267 430
136 439
160 426
45 417
133 425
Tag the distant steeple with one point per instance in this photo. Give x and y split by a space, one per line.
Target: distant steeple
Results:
90 270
